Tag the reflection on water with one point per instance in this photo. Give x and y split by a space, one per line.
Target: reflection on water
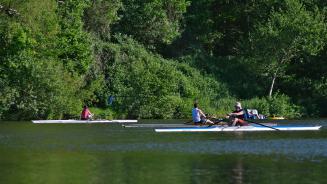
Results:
110 154
238 171
298 149
156 167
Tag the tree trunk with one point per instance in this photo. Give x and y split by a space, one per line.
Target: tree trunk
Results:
289 54
272 84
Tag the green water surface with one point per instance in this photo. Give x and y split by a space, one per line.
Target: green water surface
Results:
106 153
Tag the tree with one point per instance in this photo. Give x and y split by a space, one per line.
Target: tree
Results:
289 32
152 22
100 15
148 86
74 44
34 83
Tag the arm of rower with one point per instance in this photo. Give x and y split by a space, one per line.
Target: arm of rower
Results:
237 113
201 113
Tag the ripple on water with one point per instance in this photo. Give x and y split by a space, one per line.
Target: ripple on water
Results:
305 148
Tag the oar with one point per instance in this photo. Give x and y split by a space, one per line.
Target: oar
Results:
188 122
216 121
210 117
262 125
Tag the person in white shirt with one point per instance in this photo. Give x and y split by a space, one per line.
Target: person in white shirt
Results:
199 117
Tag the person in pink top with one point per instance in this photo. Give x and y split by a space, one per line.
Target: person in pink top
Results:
86 113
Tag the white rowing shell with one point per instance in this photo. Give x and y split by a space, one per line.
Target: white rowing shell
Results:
180 125
85 121
238 129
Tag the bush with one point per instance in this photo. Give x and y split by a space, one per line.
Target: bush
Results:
39 89
147 86
224 106
100 113
261 104
280 105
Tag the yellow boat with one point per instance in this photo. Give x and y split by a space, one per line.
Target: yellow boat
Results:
276 117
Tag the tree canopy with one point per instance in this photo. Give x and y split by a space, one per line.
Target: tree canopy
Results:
157 57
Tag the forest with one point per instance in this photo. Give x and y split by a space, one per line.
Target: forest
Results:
155 58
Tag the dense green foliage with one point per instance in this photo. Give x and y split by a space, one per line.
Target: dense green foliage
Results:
156 57
146 85
288 32
153 22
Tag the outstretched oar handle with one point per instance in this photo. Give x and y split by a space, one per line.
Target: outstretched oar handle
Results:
189 122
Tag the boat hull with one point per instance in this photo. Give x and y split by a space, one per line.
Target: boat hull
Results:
84 121
179 125
239 129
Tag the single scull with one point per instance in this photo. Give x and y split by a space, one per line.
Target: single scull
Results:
84 121
176 125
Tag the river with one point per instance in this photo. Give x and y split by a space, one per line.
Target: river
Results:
105 153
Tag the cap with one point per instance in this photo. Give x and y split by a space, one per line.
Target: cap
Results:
238 104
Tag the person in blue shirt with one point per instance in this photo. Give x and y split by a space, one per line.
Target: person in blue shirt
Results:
199 117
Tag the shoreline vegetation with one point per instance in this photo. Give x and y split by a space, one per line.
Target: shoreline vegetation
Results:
158 57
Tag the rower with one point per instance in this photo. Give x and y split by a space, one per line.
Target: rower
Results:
199 117
86 113
236 118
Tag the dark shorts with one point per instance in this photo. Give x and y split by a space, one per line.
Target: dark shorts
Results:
202 121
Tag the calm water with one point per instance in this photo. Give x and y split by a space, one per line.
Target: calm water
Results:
104 153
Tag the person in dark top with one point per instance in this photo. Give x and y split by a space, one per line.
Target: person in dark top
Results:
236 118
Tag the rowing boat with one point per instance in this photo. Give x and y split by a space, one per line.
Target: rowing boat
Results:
238 129
84 121
159 125
276 117
178 125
